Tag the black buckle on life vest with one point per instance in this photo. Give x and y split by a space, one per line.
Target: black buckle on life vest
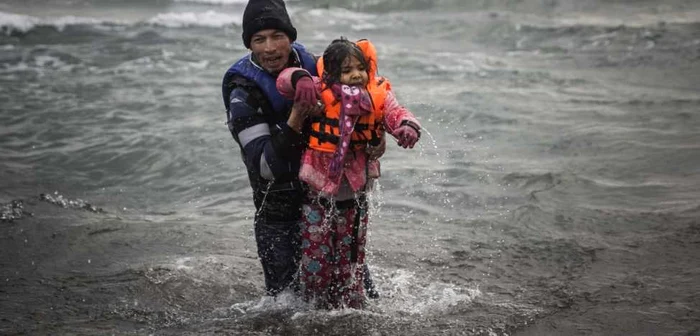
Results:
323 120
324 137
334 139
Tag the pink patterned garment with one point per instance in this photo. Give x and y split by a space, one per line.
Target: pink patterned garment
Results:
329 274
315 165
355 102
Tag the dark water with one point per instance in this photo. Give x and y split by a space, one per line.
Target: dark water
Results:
555 191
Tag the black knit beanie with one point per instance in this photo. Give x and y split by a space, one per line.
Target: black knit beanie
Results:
266 14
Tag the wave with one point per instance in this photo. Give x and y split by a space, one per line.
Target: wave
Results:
21 24
209 18
216 2
519 6
10 23
340 17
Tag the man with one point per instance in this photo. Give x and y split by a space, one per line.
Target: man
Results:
270 132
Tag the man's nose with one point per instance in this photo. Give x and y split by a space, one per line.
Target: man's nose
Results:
269 45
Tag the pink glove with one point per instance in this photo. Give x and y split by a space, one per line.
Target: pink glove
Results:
305 93
284 82
407 135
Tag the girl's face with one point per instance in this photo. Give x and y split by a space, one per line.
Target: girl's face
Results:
353 72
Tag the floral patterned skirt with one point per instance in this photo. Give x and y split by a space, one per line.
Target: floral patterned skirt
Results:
333 252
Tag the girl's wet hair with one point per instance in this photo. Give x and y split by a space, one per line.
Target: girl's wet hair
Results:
335 55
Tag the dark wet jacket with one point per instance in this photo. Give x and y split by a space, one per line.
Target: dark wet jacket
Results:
257 118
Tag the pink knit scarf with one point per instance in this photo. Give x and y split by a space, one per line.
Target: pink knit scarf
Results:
355 102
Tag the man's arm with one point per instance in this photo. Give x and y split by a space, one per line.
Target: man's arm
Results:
272 152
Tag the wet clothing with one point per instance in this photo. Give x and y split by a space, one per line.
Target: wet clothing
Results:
334 223
257 118
333 260
315 164
271 150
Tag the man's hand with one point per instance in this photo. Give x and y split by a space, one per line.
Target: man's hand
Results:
296 119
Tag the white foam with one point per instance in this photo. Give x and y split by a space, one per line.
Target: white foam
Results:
341 13
364 26
201 65
209 18
19 67
183 263
46 61
64 21
216 2
14 22
402 291
284 301
356 20
10 22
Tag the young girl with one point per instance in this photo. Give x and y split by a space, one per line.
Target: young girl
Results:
359 107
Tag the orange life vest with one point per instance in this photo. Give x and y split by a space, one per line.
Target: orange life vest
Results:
324 129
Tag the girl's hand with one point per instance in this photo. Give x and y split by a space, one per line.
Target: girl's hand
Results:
305 95
407 136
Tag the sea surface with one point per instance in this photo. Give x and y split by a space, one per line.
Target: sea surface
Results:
555 189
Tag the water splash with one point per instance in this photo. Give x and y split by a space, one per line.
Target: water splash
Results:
12 211
403 292
264 200
432 139
375 199
285 301
60 200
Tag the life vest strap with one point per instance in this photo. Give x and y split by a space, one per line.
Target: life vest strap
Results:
323 120
334 139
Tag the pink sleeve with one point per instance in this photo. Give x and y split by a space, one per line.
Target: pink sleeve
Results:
284 82
394 113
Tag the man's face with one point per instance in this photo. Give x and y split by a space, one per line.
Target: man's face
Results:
271 48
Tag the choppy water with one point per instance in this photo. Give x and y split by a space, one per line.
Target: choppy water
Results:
555 191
